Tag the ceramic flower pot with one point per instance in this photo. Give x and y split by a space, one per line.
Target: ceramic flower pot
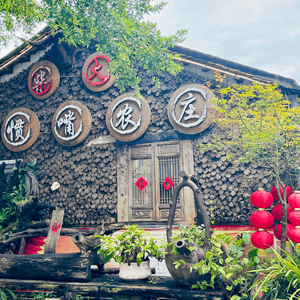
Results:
135 272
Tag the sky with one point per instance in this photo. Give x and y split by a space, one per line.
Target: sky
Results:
263 34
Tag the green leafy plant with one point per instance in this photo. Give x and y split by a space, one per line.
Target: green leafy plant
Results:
17 204
14 195
131 246
43 295
281 277
192 234
7 294
224 261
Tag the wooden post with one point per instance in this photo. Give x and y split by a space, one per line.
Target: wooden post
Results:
22 245
54 231
70 296
117 297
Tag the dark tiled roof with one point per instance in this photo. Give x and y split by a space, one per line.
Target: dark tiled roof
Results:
23 52
236 68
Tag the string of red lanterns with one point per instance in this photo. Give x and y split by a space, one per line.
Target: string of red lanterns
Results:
261 219
294 216
278 214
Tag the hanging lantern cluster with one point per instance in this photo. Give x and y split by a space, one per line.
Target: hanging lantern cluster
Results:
261 219
294 216
278 214
277 211
275 195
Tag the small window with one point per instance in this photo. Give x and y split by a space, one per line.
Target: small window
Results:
142 168
168 167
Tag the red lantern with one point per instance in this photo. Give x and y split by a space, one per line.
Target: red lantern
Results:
261 199
294 217
262 239
277 211
294 200
278 230
262 219
294 235
274 193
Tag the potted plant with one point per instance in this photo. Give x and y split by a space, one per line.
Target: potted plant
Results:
131 249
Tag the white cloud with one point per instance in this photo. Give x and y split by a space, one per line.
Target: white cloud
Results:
260 33
280 69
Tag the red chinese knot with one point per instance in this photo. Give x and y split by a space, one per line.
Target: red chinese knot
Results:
262 239
273 191
141 183
261 199
168 183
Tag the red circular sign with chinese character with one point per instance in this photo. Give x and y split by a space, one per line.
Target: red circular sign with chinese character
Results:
95 74
20 129
43 79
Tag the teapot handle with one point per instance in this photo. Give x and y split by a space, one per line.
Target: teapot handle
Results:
199 204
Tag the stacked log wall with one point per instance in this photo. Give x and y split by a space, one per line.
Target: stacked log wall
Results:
88 174
226 187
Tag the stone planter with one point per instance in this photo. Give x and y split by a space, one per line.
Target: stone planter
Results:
135 272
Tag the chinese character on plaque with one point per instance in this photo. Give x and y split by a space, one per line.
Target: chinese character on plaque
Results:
189 110
20 129
168 183
72 123
43 79
141 183
128 118
95 74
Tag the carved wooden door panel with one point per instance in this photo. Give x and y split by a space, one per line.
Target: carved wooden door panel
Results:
151 165
168 163
141 193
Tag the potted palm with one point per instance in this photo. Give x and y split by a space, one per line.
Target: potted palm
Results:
131 249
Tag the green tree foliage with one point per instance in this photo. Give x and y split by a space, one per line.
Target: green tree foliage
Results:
262 128
118 25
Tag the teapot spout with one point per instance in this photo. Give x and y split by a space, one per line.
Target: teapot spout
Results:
181 247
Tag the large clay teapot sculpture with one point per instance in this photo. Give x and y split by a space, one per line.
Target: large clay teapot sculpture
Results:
183 274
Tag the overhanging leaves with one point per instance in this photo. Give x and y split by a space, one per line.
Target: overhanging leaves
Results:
118 25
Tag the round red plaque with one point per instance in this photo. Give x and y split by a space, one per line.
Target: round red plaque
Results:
43 79
95 74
